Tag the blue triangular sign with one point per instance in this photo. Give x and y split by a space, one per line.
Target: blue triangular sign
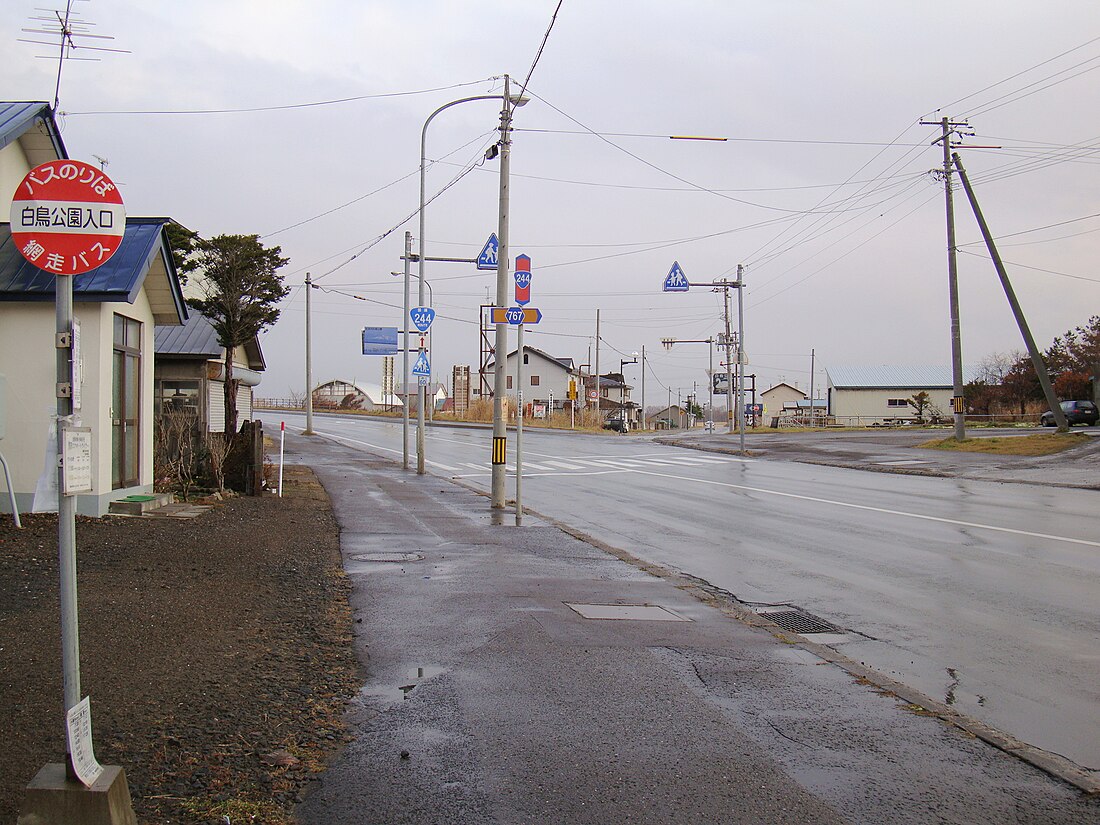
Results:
488 257
421 366
676 280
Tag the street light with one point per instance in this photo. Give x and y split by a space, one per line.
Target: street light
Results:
502 263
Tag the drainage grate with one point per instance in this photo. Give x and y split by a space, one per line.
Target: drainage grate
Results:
802 623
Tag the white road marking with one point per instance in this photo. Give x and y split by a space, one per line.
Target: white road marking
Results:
871 509
378 447
561 465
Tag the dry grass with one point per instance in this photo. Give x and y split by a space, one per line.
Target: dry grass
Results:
1022 445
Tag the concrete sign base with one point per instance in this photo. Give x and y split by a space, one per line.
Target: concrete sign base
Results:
54 799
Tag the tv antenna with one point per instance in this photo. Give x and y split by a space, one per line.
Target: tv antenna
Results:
70 34
102 162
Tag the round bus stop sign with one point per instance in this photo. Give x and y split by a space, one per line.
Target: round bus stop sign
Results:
67 217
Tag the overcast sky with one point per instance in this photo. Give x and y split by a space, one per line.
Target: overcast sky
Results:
822 189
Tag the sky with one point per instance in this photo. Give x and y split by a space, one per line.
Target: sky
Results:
301 122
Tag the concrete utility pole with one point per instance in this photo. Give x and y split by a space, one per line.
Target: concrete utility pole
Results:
957 402
597 366
643 388
500 432
813 410
729 362
309 361
1017 311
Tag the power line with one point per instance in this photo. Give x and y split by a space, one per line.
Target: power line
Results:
1037 269
285 107
542 45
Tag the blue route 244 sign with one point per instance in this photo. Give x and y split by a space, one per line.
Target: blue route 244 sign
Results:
422 317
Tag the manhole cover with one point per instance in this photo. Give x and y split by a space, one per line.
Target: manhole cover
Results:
799 622
637 612
394 557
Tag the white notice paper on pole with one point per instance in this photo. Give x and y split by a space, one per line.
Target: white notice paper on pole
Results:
88 770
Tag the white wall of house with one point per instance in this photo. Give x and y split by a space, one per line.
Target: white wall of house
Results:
540 378
882 404
774 398
28 329
13 168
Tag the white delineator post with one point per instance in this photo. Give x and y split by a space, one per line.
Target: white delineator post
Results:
282 441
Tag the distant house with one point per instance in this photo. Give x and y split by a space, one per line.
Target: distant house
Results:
776 397
350 395
543 376
117 306
669 418
189 372
435 395
614 398
879 395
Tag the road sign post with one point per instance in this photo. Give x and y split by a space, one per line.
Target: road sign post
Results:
67 218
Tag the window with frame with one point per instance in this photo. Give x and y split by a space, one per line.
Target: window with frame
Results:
897 402
125 402
534 380
178 396
509 385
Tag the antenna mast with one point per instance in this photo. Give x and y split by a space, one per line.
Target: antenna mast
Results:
70 33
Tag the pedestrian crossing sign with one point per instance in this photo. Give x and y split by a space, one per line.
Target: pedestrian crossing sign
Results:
488 257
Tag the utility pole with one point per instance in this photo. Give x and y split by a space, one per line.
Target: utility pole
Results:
597 366
1017 311
729 363
948 126
813 411
309 362
500 431
643 389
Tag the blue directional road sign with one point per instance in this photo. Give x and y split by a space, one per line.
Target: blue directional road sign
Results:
421 367
676 280
379 340
422 317
488 257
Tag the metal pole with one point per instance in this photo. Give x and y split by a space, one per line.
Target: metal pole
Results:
500 433
405 356
11 492
309 361
519 426
282 445
66 513
710 346
741 355
1021 322
643 389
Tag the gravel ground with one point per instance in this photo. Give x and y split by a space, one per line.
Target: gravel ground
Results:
216 650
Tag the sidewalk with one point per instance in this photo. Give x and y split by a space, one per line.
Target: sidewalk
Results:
488 699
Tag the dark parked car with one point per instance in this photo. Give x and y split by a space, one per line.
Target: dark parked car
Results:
1077 412
616 424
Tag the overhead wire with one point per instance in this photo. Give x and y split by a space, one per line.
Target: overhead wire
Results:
283 107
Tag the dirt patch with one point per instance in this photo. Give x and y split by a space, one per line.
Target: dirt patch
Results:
217 652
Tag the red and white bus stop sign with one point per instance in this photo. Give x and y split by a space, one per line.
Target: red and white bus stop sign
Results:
67 217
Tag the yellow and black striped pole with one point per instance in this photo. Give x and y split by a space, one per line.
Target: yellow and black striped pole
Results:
500 445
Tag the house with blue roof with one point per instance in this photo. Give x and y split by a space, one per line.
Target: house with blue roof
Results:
117 307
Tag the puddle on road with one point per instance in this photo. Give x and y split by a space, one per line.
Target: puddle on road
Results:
400 691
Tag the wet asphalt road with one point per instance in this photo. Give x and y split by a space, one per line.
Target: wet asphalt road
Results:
980 595
487 699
